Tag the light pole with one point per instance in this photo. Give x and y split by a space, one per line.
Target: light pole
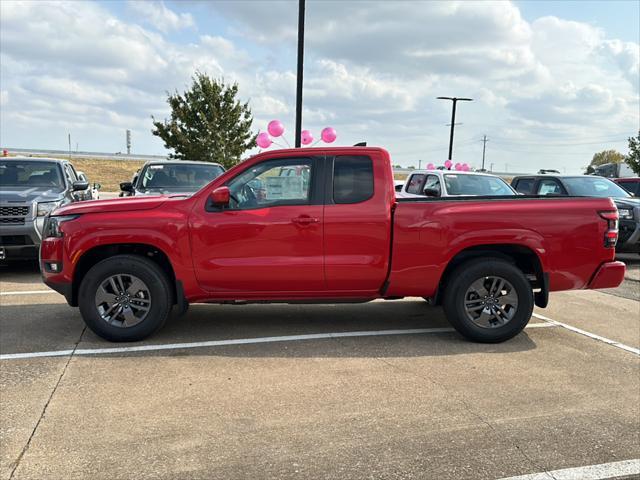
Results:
299 73
455 100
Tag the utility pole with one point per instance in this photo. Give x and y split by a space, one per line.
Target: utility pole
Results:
301 5
484 147
69 137
419 164
128 142
453 118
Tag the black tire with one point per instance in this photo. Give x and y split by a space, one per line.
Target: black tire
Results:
456 291
152 276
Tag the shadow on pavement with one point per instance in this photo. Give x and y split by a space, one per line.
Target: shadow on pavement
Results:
31 328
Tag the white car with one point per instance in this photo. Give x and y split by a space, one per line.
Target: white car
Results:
91 193
450 183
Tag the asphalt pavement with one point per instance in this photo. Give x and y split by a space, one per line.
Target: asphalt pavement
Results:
377 390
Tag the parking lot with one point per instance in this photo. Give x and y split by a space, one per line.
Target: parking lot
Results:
378 390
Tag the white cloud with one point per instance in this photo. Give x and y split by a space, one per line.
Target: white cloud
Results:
159 16
372 70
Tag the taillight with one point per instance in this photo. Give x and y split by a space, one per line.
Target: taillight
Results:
611 234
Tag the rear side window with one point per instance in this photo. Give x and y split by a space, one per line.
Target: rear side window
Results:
415 183
549 187
525 185
352 179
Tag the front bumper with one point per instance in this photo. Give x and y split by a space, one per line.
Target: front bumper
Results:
21 241
609 275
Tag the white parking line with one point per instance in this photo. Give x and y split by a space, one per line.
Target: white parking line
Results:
608 341
591 472
29 292
236 341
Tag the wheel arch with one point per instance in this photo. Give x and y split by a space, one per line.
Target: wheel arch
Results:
102 252
523 257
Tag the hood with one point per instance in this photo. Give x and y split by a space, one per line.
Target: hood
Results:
123 204
627 202
29 195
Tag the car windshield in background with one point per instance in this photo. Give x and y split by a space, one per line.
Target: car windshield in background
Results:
28 174
186 178
593 187
459 184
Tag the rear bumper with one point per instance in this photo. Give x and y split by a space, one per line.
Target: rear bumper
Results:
609 275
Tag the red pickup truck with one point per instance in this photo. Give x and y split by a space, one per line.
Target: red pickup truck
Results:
322 225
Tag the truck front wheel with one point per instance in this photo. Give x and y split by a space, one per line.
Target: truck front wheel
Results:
488 300
125 298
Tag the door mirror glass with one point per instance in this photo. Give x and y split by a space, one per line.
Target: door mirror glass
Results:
126 187
97 186
220 196
432 192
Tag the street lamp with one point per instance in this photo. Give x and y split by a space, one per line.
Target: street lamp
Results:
453 118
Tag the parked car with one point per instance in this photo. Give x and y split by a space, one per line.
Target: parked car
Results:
590 186
178 176
447 183
93 190
630 184
30 188
614 170
342 235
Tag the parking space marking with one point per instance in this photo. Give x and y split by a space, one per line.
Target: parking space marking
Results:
236 341
29 292
591 472
608 341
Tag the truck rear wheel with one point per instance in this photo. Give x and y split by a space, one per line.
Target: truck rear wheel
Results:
488 300
125 298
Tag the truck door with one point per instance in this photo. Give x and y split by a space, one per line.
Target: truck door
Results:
269 239
357 222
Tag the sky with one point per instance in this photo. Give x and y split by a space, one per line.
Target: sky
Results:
553 82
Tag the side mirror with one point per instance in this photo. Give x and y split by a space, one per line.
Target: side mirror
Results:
126 187
79 185
97 186
431 192
220 196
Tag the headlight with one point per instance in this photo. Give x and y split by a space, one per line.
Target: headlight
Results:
52 225
47 207
625 213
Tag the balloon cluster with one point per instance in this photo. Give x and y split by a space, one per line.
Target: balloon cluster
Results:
275 129
461 167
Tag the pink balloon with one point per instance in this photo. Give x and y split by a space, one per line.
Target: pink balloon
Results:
275 128
328 135
263 140
465 167
431 166
306 137
457 166
448 164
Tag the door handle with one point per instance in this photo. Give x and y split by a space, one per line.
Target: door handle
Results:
305 220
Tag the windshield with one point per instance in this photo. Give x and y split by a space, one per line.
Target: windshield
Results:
593 187
179 178
476 185
31 174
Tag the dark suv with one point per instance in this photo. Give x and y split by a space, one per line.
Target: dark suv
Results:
590 186
30 188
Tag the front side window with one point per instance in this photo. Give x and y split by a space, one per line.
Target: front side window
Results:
525 185
415 183
432 186
352 179
272 183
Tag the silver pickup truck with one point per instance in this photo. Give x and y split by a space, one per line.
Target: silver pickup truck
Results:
30 188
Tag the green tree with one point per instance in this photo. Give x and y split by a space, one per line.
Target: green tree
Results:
207 123
607 156
633 158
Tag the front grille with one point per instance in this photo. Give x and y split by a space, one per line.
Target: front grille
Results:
12 220
8 240
14 211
